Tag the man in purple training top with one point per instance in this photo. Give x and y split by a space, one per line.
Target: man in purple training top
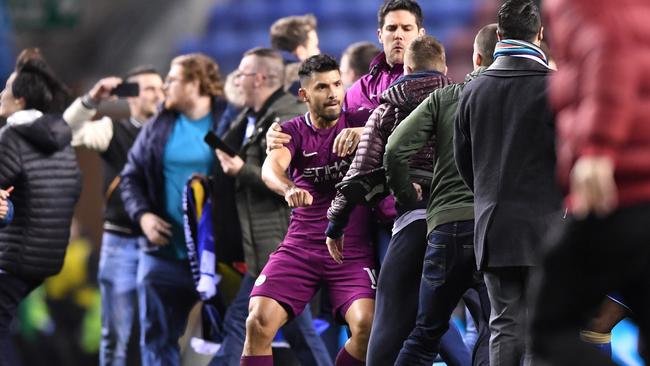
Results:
400 22
303 261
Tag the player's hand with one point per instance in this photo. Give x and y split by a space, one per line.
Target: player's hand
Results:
335 247
102 89
275 138
231 165
157 230
593 188
346 141
418 191
298 197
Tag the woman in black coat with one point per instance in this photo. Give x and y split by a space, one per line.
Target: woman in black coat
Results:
37 160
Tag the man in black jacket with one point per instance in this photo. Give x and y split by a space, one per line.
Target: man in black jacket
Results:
504 149
118 261
36 158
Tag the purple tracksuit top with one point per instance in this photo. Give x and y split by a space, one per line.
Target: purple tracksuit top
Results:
365 92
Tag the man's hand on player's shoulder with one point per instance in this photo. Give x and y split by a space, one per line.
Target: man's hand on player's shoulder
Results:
275 138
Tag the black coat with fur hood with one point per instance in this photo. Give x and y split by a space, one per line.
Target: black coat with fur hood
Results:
37 160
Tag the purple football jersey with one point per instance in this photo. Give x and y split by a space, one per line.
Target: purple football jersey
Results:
315 168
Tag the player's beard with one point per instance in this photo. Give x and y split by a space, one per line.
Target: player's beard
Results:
329 115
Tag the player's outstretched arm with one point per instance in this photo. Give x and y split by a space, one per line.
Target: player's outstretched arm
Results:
274 174
274 170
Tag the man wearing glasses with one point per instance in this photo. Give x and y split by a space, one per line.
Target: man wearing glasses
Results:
168 150
263 215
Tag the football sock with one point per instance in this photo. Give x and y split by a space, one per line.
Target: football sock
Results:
256 360
345 359
601 341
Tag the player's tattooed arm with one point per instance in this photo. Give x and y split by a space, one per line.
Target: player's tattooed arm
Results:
274 174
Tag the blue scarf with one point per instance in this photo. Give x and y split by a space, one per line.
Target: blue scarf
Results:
517 48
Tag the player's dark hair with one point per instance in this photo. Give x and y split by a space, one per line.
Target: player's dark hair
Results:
316 64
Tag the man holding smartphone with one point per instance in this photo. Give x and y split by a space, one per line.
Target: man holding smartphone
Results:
113 139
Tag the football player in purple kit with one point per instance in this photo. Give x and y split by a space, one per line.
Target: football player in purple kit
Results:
304 261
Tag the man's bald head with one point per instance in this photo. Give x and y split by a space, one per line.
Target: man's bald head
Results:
484 43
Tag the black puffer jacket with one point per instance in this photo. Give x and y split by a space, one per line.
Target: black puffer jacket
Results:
37 159
364 181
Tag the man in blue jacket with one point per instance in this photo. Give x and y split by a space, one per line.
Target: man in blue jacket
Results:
168 150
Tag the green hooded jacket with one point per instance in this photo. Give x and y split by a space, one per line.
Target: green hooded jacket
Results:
450 200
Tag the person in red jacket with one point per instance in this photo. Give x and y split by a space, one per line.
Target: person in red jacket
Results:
603 158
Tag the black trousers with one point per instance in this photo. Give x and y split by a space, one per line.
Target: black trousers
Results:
586 260
12 291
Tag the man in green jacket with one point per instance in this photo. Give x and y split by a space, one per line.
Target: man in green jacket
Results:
449 265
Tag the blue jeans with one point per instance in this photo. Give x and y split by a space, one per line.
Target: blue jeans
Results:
166 295
449 271
118 268
396 305
299 332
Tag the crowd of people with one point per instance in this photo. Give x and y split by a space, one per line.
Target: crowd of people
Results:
376 193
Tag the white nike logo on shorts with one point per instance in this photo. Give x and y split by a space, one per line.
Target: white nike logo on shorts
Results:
306 154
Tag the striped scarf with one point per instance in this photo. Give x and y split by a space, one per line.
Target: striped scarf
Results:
517 48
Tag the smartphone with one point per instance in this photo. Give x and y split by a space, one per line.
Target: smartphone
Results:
216 143
126 90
